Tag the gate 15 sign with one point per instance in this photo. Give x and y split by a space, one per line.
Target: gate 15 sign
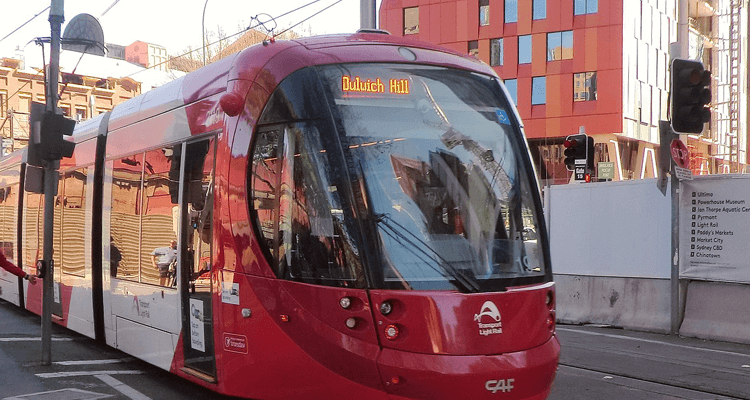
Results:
680 153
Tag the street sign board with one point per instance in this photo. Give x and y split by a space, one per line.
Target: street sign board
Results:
606 170
680 153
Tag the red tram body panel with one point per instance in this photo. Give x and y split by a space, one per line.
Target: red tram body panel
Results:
330 217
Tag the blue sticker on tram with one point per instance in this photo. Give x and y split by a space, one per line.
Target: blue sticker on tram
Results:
502 116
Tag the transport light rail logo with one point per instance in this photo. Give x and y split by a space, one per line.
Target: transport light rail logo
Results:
489 309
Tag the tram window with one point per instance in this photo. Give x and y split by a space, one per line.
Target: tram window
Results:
70 234
126 212
8 203
160 211
299 213
33 218
265 181
199 167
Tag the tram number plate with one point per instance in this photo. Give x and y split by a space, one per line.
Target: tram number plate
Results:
502 385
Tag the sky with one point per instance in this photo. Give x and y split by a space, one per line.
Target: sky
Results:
176 24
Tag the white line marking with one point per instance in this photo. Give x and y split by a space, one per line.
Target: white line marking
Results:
89 362
32 339
87 373
122 388
654 341
89 395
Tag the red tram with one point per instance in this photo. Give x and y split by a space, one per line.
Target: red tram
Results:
354 216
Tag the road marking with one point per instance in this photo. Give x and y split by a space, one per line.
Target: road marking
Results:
655 342
122 388
91 362
87 373
62 394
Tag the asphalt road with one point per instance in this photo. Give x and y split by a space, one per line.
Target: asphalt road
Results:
615 364
81 368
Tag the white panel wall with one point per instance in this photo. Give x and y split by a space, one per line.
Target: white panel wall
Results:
614 229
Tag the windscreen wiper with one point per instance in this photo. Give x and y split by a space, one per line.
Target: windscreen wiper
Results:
417 246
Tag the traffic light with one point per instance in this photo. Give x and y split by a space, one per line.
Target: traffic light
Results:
691 95
576 149
46 141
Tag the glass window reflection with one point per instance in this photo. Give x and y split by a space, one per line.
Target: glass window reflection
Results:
411 20
538 90
559 46
126 215
159 223
72 205
511 11
539 9
512 86
496 52
524 49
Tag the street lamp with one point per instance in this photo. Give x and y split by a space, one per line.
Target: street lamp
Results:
203 32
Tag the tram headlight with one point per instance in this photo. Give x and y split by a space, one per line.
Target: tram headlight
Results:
386 307
345 303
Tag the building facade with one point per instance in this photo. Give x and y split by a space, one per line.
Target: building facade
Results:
148 55
82 97
598 66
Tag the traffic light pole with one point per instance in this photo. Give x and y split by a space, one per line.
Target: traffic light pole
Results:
56 18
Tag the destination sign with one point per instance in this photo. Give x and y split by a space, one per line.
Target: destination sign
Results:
370 86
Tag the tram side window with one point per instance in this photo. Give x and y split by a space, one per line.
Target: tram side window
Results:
70 233
33 225
160 216
8 203
299 211
126 215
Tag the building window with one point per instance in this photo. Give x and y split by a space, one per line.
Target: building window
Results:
411 20
496 52
474 48
80 114
585 7
484 12
524 49
3 106
539 90
560 46
512 86
511 11
584 86
539 9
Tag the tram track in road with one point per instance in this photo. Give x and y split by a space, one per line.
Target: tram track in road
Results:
657 366
655 386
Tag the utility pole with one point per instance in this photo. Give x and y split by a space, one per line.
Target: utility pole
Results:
56 18
366 14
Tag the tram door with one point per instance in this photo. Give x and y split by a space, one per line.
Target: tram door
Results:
196 241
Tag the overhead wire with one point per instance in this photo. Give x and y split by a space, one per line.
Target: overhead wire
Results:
287 29
258 24
24 24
